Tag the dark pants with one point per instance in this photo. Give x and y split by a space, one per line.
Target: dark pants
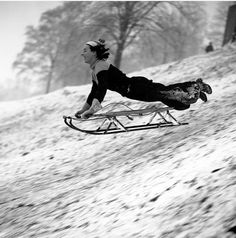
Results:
142 89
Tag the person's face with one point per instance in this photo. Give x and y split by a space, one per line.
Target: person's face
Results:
89 56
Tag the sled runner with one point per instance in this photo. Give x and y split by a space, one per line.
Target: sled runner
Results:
112 122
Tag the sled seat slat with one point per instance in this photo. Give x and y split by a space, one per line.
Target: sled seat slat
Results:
133 112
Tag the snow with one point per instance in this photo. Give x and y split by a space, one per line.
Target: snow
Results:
172 182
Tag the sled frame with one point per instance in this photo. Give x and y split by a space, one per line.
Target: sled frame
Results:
114 124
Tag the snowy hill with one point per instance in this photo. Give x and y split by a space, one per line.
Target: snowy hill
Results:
168 183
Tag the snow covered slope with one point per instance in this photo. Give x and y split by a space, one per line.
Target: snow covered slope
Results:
168 183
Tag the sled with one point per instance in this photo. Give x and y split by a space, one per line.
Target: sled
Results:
112 122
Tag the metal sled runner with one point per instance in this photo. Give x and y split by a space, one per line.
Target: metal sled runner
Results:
120 121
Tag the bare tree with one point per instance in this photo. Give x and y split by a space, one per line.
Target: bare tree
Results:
48 48
175 31
122 22
40 53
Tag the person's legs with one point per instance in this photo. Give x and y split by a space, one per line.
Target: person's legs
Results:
191 86
178 96
145 90
175 104
193 90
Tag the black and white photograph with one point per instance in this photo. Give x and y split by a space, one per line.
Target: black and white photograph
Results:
118 119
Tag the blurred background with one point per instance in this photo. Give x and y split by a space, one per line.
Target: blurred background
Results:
41 42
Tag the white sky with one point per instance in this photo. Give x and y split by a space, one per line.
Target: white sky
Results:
14 17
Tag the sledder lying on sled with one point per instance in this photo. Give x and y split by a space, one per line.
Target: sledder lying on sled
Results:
112 122
105 76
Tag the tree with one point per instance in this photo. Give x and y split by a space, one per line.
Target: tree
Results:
174 31
216 30
41 50
122 22
48 46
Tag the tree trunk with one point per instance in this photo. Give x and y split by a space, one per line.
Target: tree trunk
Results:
49 83
50 75
118 55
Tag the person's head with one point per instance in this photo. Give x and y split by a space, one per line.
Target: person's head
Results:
95 50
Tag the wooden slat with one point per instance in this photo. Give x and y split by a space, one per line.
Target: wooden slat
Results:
133 112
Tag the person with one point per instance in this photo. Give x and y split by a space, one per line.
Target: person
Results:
209 48
105 76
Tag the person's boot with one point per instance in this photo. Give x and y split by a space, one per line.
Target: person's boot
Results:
203 96
203 86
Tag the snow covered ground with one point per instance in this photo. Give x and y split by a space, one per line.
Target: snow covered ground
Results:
170 183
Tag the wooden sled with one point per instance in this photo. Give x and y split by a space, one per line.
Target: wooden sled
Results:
111 121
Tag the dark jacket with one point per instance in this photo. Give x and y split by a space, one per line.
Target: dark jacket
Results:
112 79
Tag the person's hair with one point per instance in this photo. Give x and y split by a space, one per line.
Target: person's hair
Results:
100 49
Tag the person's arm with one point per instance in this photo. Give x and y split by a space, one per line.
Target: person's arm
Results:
88 102
101 91
98 94
91 94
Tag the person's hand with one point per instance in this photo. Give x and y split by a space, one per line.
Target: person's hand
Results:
86 114
78 114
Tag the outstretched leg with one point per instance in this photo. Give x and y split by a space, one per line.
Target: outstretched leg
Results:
188 92
178 96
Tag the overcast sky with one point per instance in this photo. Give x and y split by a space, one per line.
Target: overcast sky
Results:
14 17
